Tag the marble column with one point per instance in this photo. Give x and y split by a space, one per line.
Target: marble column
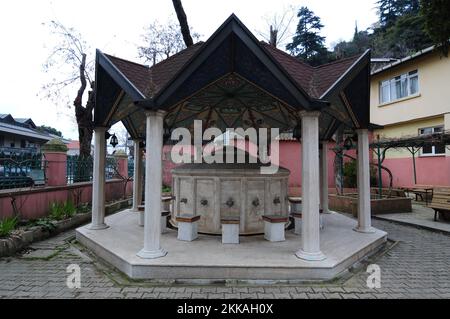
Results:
137 187
98 180
324 177
153 186
310 248
363 180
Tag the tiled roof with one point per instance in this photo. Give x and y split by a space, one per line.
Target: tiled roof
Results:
137 74
327 74
149 80
313 80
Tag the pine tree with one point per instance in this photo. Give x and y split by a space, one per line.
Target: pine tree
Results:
307 43
436 14
389 11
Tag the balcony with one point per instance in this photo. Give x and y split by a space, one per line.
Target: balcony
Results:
18 150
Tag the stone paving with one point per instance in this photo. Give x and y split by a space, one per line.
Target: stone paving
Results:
415 266
421 216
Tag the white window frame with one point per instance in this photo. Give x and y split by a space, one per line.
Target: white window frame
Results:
391 85
433 148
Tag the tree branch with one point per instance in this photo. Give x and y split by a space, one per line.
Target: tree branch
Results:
181 15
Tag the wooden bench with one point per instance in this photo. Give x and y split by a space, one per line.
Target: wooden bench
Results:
424 192
187 227
441 200
274 227
230 230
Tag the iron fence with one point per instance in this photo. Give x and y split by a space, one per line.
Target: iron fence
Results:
80 169
21 170
130 167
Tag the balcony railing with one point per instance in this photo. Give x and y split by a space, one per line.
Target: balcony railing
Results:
17 150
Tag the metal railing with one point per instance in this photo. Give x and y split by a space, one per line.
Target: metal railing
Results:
80 169
21 170
14 151
130 167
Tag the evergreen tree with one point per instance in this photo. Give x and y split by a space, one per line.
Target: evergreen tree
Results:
389 10
436 15
307 43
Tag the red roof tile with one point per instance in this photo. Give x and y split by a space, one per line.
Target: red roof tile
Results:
313 80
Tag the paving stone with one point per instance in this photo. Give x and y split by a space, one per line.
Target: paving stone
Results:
299 295
416 267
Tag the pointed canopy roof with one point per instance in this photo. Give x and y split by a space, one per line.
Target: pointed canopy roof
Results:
217 80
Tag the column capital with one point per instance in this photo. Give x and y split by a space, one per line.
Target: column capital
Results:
101 128
158 113
309 113
361 130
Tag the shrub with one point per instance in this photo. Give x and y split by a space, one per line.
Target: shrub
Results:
57 211
7 225
45 223
60 211
350 175
69 209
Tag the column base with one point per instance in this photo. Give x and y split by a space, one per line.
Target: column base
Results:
153 254
310 256
369 230
98 227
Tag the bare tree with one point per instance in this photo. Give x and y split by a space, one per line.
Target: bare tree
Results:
162 41
182 19
279 26
68 61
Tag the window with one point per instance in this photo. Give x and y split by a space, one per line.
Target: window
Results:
2 140
399 87
431 149
23 144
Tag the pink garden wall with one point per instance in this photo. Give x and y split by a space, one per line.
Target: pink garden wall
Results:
430 171
34 202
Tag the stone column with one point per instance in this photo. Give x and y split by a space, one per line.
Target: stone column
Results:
310 249
363 172
324 177
137 185
98 180
153 186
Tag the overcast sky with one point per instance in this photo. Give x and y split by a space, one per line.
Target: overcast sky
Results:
115 27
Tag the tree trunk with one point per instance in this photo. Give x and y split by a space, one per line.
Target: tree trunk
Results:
273 37
181 15
84 114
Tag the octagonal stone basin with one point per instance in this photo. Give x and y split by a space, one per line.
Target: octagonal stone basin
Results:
216 191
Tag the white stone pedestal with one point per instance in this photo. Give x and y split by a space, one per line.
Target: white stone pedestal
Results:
274 228
322 226
230 233
187 228
164 216
298 223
